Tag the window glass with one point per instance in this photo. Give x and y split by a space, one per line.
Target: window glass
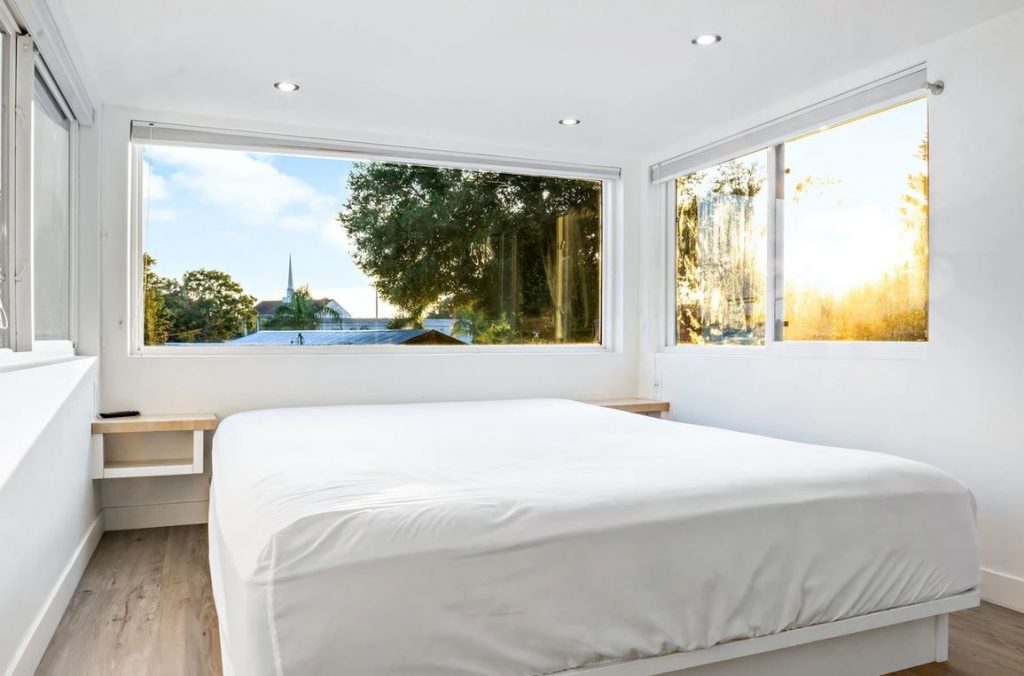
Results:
255 249
51 262
856 230
721 253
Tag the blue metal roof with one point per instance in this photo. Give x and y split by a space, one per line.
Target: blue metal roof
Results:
345 337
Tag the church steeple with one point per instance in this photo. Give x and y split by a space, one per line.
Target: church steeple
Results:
291 285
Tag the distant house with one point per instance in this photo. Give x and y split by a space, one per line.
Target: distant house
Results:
442 324
349 337
265 309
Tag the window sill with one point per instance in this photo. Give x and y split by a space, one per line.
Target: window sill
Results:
809 350
45 352
365 350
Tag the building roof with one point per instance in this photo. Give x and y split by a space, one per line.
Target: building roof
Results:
349 337
267 307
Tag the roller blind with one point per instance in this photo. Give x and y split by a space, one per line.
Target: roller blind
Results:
167 134
51 217
890 90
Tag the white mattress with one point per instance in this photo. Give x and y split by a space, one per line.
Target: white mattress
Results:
534 536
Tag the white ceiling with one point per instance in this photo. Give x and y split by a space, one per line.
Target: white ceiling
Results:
464 72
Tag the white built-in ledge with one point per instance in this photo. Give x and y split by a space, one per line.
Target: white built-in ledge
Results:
190 463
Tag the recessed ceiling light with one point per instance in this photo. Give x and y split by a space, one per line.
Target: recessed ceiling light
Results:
568 122
706 40
284 86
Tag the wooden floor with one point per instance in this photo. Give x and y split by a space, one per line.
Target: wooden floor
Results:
144 607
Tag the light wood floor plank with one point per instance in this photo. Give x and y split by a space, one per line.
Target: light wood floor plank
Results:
144 608
187 640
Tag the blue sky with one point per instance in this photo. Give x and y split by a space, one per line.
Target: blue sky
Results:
244 213
847 229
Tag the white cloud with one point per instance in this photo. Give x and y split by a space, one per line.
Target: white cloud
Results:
335 235
358 300
154 186
836 251
161 215
301 222
246 185
250 188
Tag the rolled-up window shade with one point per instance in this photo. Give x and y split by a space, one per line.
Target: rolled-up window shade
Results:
167 134
890 90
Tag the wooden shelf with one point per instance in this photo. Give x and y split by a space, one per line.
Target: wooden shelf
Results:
187 422
196 423
117 469
633 405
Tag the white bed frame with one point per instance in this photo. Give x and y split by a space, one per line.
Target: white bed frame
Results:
867 645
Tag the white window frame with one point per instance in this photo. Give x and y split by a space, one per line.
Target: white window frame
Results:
899 88
143 131
22 63
8 239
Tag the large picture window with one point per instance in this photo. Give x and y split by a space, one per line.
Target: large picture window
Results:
249 247
849 222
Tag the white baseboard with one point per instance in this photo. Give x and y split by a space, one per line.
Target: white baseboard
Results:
43 627
1002 589
155 516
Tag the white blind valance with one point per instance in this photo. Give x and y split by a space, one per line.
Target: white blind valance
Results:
182 135
890 90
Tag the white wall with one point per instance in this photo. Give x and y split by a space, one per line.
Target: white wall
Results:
227 384
959 407
49 511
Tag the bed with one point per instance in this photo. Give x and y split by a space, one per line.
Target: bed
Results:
556 537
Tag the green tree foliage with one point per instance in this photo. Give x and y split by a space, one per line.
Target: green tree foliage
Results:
157 319
525 248
406 321
481 329
301 312
205 306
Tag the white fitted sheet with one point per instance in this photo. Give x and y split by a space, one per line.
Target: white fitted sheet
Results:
535 536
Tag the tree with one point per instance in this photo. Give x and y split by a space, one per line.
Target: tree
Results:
301 312
443 240
208 306
915 212
205 306
157 319
480 329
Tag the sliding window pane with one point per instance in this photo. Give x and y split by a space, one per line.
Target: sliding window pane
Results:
721 253
51 262
856 230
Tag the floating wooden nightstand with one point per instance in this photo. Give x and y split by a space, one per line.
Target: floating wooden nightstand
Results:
651 407
197 424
